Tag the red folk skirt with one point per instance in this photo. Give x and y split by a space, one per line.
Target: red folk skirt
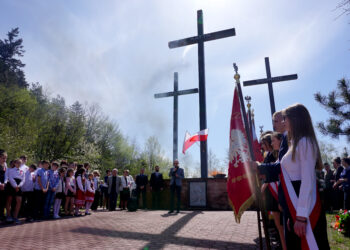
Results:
79 199
89 196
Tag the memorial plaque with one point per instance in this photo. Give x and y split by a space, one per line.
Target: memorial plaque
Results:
197 194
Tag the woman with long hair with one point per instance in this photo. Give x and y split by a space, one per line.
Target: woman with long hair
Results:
307 226
70 192
81 189
15 182
305 222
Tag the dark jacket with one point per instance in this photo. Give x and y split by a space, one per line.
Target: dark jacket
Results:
141 180
272 170
338 172
327 179
156 182
176 180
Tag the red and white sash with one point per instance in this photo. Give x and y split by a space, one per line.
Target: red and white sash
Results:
308 241
273 187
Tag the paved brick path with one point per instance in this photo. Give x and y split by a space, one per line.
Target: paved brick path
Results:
136 230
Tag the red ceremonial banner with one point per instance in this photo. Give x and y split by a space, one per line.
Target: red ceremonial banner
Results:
256 147
238 188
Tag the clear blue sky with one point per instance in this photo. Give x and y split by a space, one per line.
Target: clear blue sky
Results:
115 53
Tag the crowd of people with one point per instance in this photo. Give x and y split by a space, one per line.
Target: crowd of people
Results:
334 184
54 189
292 180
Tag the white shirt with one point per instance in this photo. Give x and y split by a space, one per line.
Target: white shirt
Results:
16 173
24 168
88 186
70 184
80 183
6 173
96 181
28 185
128 182
303 169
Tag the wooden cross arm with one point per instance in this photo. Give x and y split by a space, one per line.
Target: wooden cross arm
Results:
204 38
180 92
272 79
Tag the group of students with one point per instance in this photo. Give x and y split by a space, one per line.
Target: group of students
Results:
334 184
289 172
33 191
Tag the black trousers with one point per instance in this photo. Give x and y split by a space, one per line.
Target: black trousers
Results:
328 198
338 202
320 231
96 202
39 201
156 199
113 197
2 203
175 189
28 204
347 199
143 193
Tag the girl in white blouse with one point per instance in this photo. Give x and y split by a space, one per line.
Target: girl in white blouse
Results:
70 191
15 182
90 193
306 224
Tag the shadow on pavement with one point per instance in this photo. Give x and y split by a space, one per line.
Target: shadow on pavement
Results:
168 236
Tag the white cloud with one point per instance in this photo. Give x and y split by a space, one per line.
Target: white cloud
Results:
117 54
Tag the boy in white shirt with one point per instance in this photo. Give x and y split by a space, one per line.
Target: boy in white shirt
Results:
28 193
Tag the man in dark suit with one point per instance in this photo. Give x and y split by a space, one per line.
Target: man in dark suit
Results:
328 184
176 174
338 194
156 186
114 187
141 183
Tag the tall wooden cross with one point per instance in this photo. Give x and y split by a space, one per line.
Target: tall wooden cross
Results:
175 94
269 80
200 39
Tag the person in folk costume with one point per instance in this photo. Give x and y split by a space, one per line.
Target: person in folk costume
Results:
270 143
306 226
70 192
90 193
81 189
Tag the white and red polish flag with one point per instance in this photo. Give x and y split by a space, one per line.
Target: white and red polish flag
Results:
191 139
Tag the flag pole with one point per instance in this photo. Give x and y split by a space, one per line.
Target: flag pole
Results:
256 183
250 123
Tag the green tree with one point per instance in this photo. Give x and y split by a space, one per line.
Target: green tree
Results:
337 103
17 121
328 151
11 72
